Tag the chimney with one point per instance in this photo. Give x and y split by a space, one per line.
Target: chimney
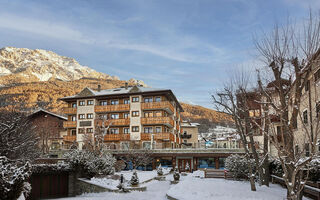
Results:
126 85
99 88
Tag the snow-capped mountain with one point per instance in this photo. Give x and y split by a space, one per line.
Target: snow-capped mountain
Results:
26 65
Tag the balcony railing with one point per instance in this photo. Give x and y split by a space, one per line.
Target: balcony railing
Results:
70 124
112 108
186 136
116 137
157 120
113 122
69 138
163 105
157 136
69 111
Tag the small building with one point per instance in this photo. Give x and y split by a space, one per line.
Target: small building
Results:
189 136
49 128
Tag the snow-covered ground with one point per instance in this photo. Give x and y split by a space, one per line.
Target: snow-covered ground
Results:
142 175
191 187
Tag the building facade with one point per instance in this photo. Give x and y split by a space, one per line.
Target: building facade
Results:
190 135
128 117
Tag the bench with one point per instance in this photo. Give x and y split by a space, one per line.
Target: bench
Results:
217 173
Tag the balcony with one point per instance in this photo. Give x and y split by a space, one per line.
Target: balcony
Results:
116 137
69 138
114 122
112 108
157 120
157 136
69 111
70 124
163 105
186 136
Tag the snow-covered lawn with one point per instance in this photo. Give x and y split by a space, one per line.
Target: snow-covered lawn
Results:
189 188
112 184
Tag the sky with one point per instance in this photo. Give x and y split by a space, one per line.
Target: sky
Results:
189 46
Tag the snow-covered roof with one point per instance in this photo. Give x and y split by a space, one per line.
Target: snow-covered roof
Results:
189 124
50 113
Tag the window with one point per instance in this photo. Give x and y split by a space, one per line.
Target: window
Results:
157 114
148 99
135 113
74 105
135 99
114 102
103 103
89 130
185 141
126 101
307 86
148 114
135 128
305 116
157 99
148 130
103 116
158 129
114 130
146 145
114 116
126 130
81 103
126 115
73 118
90 116
317 75
81 130
307 149
90 102
73 132
82 116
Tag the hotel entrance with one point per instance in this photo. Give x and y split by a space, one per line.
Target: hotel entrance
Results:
185 165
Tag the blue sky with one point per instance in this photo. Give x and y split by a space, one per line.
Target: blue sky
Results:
189 46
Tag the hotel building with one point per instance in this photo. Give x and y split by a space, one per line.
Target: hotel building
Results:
129 117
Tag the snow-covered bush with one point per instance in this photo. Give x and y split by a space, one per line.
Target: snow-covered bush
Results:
238 165
176 175
275 167
314 167
13 175
134 179
91 164
159 170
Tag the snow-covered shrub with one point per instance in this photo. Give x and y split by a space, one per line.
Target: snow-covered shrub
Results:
91 164
13 175
275 167
176 175
134 179
159 170
238 165
314 172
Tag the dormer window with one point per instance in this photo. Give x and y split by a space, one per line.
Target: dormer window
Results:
81 103
90 102
135 99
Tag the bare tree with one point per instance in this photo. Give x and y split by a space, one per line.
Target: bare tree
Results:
290 55
17 137
233 99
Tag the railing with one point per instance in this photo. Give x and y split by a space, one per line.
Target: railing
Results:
69 111
113 122
165 105
186 136
70 138
157 136
70 124
112 108
157 120
116 137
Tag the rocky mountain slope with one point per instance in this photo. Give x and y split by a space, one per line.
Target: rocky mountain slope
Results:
38 78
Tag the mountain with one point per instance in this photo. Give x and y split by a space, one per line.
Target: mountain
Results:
25 65
38 78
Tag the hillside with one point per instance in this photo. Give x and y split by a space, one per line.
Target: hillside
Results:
38 78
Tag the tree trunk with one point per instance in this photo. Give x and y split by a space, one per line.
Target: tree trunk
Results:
251 178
